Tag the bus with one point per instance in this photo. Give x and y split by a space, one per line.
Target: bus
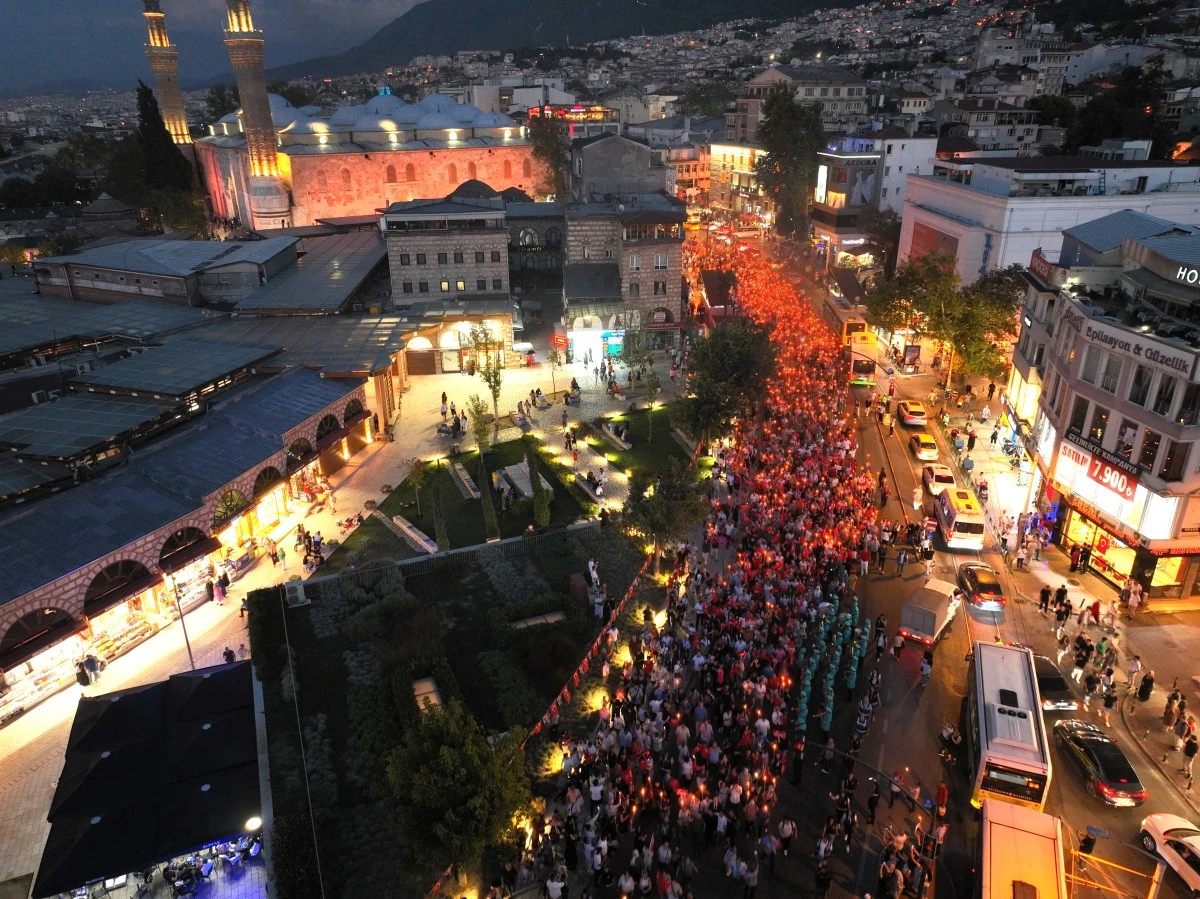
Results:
1006 755
960 519
844 321
1019 853
863 348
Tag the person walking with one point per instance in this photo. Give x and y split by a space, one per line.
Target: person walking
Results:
1106 709
897 645
1044 599
787 831
895 788
872 802
917 496
1190 748
926 669
1021 556
995 435
1146 687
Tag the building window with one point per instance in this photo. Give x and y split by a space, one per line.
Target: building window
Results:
420 259
887 170
660 262
1174 461
443 258
1099 424
497 284
481 284
884 193
587 252
422 287
1189 408
1125 438
1091 365
635 263
635 289
410 172
1139 388
1078 415
508 170
1112 373
458 258
1165 395
322 181
390 174
526 168
407 286
553 237
1150 442
460 285
471 172
660 288
405 259
479 255
495 255
445 285
608 253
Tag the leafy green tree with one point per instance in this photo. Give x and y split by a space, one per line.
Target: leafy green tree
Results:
665 508
453 794
653 387
1055 110
477 417
634 354
485 351
220 101
884 226
417 469
19 193
84 151
12 253
62 244
491 525
176 210
164 164
60 185
705 100
1130 109
124 175
554 361
727 372
439 520
296 94
791 134
551 147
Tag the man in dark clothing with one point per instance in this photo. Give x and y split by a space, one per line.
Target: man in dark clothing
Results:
1146 687
1044 599
873 803
229 655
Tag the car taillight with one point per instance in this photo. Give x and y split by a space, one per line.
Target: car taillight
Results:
904 633
1140 794
1106 790
928 641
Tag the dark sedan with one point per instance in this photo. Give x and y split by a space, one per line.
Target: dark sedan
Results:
1106 772
1056 694
982 586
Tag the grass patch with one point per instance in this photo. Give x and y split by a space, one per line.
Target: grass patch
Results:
646 454
371 543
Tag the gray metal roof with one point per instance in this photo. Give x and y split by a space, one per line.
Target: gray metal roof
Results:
178 367
16 476
175 258
342 344
591 281
1109 232
74 424
451 205
1182 248
331 268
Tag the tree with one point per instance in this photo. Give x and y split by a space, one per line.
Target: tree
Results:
62 244
551 147
884 226
220 101
439 520
666 508
491 526
453 793
554 360
19 193
791 134
485 352
296 94
634 354
1127 110
417 469
705 100
653 386
727 372
84 151
541 495
1055 110
124 175
164 164
59 185
172 209
12 253
477 416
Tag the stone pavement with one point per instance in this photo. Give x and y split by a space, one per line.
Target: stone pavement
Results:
32 747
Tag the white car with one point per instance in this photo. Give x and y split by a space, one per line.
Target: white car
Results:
1177 841
937 478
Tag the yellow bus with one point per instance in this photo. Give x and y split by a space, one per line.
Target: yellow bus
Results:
1019 854
846 323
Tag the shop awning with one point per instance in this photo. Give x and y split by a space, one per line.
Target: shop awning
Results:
25 651
334 436
599 309
1161 286
190 553
93 607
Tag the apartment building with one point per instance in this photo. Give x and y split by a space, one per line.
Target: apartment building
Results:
841 94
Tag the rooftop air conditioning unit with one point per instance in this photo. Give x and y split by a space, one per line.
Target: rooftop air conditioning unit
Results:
357 307
39 396
295 596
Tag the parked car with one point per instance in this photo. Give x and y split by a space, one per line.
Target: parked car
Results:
1056 694
912 414
923 447
982 586
1177 841
937 478
1107 774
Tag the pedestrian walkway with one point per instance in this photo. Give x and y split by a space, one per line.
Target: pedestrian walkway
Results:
32 747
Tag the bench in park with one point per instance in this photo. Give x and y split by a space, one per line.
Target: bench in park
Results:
466 484
582 481
520 420
413 534
613 438
518 476
548 618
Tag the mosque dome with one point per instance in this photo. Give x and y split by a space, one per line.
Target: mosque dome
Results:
311 110
384 104
278 102
438 103
375 123
281 117
230 118
347 115
494 120
309 126
437 121
408 114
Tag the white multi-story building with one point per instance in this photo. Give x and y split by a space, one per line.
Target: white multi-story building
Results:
993 212
1107 369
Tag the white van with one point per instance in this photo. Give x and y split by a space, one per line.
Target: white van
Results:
960 518
929 611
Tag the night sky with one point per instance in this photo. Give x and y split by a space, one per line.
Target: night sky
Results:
49 40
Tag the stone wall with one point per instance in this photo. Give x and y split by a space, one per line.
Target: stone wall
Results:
494 266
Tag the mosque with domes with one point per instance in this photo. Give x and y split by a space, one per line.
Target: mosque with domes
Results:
270 165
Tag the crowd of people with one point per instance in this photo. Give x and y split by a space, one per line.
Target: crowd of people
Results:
708 707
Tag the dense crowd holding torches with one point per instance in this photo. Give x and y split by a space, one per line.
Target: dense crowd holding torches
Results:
709 707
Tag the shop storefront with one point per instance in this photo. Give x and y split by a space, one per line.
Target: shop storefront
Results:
662 330
41 665
1116 561
594 337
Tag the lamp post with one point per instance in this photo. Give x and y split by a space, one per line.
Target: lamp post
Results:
182 623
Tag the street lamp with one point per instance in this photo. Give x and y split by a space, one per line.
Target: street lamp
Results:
183 624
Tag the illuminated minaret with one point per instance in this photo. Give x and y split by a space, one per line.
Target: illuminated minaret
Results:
269 203
164 62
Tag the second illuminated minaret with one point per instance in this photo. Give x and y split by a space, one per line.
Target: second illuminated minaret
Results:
269 203
164 62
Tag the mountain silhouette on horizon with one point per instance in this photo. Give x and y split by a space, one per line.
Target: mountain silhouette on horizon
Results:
438 27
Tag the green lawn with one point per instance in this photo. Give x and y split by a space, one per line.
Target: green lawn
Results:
367 545
646 455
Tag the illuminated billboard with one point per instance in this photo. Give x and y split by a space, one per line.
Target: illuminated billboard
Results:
822 182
